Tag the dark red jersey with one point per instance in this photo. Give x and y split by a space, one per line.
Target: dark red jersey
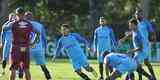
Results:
21 30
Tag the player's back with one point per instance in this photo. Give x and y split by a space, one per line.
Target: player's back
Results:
21 30
143 27
115 59
41 41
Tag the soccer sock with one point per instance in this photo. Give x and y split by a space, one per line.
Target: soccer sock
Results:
141 71
4 63
46 72
150 68
130 76
84 76
101 69
20 72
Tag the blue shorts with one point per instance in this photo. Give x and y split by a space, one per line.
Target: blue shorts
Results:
38 56
6 51
79 63
127 66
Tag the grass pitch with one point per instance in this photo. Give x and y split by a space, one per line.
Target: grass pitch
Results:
61 69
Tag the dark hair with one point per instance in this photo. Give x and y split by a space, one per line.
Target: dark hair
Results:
105 53
65 25
134 21
20 10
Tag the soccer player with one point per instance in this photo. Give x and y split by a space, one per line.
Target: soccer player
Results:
39 49
103 40
6 40
145 27
140 45
121 64
20 57
70 42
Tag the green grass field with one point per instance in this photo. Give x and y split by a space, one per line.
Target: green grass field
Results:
62 70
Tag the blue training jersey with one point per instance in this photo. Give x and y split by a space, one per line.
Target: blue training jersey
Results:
71 44
42 42
138 40
145 27
114 59
104 39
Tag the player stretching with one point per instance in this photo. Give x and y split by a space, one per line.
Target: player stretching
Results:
103 40
140 45
39 49
20 57
6 40
70 43
145 27
121 64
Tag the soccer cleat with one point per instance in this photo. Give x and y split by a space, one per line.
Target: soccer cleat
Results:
20 75
101 78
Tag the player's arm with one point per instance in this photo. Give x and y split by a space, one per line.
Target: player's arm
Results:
151 30
2 36
127 36
82 40
140 44
58 50
113 40
107 68
95 42
43 33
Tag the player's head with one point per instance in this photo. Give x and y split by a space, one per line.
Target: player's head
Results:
133 24
28 15
65 29
11 17
102 21
105 53
20 13
139 14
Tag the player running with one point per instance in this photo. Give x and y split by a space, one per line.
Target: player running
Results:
145 27
39 49
70 42
103 40
121 64
20 57
6 40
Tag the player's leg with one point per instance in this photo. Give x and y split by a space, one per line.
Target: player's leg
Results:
6 52
150 68
4 63
90 69
141 71
25 59
100 60
46 72
13 72
82 75
20 70
130 76
115 74
27 75
39 57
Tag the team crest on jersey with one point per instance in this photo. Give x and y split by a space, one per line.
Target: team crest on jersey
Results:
22 24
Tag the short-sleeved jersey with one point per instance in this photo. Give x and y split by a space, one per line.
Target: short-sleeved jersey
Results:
21 30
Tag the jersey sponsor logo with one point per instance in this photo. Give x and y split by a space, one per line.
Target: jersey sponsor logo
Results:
22 24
